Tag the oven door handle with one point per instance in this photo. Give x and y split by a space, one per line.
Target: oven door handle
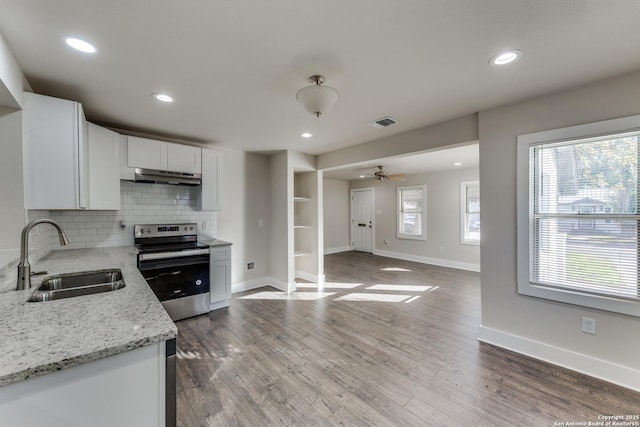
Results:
178 254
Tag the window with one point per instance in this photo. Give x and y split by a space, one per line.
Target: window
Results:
411 212
578 215
470 212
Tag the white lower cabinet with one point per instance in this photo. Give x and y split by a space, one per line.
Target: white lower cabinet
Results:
125 390
220 286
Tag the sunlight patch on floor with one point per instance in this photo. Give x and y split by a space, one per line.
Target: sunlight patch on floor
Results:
394 269
400 288
329 285
374 297
412 299
188 355
300 296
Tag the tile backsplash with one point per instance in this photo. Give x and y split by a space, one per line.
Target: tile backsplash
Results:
141 203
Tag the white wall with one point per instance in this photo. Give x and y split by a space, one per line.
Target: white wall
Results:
547 329
443 220
281 240
246 201
11 79
336 215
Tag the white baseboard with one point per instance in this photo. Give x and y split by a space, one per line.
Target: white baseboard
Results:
262 282
313 278
250 284
432 261
329 251
598 368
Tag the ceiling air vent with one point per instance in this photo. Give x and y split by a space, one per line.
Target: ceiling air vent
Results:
383 122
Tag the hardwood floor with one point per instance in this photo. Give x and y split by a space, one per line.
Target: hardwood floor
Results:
385 342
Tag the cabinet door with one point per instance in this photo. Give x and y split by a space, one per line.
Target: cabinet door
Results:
146 153
209 192
183 158
52 157
103 168
220 280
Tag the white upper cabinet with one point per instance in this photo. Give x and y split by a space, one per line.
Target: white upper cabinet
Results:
146 153
210 195
163 156
103 168
55 157
183 158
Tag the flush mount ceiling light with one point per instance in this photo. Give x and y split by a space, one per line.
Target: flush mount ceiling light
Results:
457 164
162 97
306 135
505 58
80 45
317 99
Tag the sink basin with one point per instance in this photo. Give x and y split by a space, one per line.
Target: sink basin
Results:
77 284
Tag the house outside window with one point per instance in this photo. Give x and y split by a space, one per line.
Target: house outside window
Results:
412 212
470 212
578 215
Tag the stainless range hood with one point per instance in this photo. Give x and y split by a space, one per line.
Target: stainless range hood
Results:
166 177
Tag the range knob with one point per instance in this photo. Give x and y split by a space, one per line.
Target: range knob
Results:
149 230
142 231
191 228
185 229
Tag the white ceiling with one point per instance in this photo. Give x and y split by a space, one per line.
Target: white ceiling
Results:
434 161
234 66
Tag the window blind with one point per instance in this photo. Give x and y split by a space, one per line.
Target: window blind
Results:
583 215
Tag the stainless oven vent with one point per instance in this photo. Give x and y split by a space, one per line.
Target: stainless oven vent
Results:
166 177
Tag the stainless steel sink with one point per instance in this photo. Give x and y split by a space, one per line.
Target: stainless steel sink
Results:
76 284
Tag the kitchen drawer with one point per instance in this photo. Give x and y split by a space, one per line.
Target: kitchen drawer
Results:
221 253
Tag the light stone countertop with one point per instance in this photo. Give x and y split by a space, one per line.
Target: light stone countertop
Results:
212 241
37 338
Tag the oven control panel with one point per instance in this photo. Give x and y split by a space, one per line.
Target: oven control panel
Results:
164 230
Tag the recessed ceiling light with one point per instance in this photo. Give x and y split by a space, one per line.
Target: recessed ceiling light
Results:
80 45
306 135
506 57
162 97
361 176
457 164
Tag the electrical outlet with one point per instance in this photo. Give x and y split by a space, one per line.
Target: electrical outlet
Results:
260 223
441 248
204 224
251 265
589 325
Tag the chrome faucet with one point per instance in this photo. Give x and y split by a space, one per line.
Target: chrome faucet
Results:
24 268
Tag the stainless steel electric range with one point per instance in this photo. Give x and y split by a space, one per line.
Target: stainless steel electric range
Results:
176 267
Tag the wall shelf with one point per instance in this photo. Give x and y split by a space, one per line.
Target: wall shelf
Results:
301 253
301 226
301 199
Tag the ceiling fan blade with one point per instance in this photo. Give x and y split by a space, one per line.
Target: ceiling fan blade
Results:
397 177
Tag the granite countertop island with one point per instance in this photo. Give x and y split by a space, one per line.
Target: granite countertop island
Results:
42 337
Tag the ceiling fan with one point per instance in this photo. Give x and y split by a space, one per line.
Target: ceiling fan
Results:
381 175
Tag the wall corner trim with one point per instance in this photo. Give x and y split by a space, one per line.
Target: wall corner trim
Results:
607 371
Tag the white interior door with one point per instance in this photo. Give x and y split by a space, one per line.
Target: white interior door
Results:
362 210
